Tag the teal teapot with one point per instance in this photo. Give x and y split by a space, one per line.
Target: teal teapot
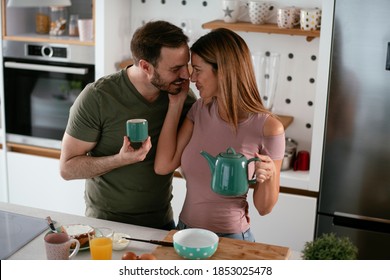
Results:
229 172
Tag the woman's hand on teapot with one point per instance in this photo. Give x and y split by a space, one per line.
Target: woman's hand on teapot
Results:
264 169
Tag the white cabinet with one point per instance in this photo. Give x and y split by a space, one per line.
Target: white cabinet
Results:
291 222
112 35
3 178
179 193
36 182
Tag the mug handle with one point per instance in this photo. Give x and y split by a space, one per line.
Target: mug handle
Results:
252 181
76 249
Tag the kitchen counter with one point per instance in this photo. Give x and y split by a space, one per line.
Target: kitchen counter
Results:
35 250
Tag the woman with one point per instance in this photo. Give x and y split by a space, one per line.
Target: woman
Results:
228 114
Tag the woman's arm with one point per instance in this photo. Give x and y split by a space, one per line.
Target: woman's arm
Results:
172 142
266 190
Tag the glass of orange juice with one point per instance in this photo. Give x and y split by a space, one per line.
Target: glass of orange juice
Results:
100 243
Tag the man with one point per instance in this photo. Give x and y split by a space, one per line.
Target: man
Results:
121 184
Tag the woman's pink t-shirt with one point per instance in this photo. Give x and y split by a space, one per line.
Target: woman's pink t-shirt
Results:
202 207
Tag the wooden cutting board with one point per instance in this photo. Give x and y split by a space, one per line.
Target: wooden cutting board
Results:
230 249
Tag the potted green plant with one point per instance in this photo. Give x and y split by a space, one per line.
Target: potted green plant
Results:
330 247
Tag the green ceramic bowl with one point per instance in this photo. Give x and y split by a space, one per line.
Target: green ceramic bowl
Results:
195 243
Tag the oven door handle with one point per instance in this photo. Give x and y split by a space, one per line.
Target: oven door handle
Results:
46 68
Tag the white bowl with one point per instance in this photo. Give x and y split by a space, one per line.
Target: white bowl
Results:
195 243
119 243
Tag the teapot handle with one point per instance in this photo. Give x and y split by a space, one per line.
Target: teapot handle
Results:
252 181
230 150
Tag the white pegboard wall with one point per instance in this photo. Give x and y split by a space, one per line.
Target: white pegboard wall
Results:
189 13
295 94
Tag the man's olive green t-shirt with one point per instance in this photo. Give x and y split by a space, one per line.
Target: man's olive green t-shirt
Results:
134 193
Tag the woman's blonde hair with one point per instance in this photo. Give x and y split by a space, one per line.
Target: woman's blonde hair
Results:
231 58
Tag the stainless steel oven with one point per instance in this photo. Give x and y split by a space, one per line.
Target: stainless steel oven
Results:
41 82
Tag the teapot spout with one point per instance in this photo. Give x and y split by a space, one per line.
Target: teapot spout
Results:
210 159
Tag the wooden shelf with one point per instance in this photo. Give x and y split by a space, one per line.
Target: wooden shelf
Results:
24 34
49 39
285 120
262 28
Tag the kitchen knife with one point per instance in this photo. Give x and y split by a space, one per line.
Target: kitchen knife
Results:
162 243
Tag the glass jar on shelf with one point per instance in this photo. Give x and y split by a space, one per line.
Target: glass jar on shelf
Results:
58 20
42 20
73 25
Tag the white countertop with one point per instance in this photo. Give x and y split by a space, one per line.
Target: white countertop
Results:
35 250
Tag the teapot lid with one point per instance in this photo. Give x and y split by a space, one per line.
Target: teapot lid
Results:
231 153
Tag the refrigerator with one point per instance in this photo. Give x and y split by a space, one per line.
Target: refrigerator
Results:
354 197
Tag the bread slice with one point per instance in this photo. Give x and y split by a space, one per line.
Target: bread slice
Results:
79 232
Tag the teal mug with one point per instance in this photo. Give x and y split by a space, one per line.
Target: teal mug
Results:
137 130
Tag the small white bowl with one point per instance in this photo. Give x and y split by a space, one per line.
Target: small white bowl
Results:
119 243
195 243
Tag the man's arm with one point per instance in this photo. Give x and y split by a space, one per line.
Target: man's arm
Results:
75 163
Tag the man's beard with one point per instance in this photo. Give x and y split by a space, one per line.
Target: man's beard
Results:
165 87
